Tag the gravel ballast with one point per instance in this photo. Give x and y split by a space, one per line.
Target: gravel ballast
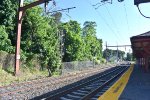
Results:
35 88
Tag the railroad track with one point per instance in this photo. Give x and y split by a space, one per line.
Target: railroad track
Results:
91 89
22 90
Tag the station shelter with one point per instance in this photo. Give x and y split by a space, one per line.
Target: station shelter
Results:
141 50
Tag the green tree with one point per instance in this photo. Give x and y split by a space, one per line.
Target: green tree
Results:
129 57
89 28
8 13
93 46
40 36
8 9
109 53
5 44
73 41
121 54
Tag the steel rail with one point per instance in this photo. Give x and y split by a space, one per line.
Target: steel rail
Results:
60 94
88 96
35 83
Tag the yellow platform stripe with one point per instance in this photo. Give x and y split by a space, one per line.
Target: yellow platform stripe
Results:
114 92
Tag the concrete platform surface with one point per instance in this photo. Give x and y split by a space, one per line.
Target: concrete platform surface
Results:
138 87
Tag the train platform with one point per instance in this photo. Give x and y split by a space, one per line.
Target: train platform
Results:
133 85
138 86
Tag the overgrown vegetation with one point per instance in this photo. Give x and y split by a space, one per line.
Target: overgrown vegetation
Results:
41 38
46 42
112 55
26 75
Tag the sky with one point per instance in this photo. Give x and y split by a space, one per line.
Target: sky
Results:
116 22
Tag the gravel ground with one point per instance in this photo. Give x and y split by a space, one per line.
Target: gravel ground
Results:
32 89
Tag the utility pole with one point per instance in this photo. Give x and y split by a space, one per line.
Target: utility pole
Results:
106 51
117 52
21 11
19 23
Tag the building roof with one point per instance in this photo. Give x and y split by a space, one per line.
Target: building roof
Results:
141 45
143 35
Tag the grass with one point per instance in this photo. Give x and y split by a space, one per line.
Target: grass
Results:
27 74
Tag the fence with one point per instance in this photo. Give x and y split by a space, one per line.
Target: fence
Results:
6 60
68 67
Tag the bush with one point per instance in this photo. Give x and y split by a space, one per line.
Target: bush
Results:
103 60
97 62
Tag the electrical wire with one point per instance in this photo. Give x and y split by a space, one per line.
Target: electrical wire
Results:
60 10
105 21
126 18
108 25
97 5
141 12
113 21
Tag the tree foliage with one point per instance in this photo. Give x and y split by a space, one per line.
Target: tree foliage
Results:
93 46
5 44
130 57
81 43
41 36
73 41
8 13
109 53
8 10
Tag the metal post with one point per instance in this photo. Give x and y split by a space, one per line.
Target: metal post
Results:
117 53
94 62
19 23
106 52
21 10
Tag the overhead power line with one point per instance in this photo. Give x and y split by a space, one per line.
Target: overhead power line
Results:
105 21
126 16
113 21
102 2
66 9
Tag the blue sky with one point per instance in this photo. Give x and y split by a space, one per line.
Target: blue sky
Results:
116 22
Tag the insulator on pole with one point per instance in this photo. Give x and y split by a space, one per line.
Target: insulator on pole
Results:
46 5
